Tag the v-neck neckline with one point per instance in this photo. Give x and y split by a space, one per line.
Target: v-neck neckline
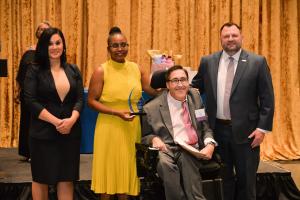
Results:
55 88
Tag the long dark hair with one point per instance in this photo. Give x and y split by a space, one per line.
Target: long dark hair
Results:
42 53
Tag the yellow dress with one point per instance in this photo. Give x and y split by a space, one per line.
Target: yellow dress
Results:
114 161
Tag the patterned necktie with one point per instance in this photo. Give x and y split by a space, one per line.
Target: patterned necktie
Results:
190 131
228 85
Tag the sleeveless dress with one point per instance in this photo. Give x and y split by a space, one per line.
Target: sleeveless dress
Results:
114 162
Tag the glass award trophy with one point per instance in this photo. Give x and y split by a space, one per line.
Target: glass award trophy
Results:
135 97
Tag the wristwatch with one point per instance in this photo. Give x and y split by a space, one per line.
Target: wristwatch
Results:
211 142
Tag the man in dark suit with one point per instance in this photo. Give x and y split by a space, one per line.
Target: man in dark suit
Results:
176 120
240 108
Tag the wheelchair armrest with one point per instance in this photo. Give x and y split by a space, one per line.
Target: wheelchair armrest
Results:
210 169
146 160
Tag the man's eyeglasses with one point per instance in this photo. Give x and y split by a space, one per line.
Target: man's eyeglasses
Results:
176 80
117 45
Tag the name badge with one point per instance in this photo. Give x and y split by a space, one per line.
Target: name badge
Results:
200 114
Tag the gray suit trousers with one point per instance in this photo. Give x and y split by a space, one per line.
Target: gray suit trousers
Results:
179 171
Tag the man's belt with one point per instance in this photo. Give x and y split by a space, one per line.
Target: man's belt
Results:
223 121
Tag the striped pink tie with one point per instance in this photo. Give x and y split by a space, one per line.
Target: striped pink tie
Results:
228 85
190 131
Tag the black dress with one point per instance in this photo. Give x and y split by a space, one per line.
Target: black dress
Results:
54 157
27 59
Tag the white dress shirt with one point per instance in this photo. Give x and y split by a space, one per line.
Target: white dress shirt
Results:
179 131
222 73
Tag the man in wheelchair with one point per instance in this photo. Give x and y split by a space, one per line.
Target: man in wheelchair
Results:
175 124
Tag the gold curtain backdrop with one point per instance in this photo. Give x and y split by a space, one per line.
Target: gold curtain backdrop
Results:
188 27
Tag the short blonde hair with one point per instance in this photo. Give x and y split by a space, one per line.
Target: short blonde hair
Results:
39 26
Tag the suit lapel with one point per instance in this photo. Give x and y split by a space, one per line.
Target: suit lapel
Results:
70 79
241 67
214 74
165 113
49 77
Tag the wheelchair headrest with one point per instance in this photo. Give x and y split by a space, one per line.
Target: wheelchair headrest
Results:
158 79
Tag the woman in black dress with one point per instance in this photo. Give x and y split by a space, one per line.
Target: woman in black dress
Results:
26 60
54 93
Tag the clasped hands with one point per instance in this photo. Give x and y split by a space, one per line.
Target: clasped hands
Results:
64 126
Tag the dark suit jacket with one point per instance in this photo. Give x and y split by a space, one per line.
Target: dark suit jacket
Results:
158 122
27 59
252 98
40 93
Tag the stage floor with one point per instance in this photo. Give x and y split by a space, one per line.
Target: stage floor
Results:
14 171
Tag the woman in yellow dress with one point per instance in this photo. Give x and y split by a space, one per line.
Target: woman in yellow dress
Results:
116 132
